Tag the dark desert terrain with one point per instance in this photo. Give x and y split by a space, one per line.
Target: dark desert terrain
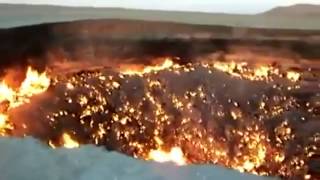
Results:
116 37
305 16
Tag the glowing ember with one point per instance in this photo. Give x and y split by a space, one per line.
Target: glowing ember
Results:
175 155
68 142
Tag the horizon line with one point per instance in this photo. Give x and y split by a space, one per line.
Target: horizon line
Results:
148 9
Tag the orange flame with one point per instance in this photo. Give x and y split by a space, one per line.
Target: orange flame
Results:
34 83
68 142
175 155
148 69
4 124
260 72
294 76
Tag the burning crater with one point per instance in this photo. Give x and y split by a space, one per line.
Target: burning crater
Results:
257 118
187 97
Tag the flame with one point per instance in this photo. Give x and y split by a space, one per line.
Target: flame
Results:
68 142
253 151
229 68
257 73
148 69
236 69
257 158
34 83
4 124
294 76
6 93
3 119
175 155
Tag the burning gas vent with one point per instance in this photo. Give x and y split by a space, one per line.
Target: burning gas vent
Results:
256 118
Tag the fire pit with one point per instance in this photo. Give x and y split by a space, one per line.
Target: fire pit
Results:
243 98
257 118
